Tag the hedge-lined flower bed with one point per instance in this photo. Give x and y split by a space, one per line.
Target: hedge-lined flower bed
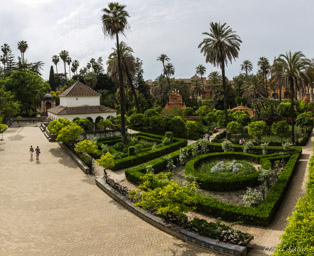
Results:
299 234
146 155
261 215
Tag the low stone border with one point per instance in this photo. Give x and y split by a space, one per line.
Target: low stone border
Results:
83 167
174 230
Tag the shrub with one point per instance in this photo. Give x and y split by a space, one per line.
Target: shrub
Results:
234 127
151 112
106 161
131 150
248 147
304 119
104 124
283 109
183 156
169 135
264 148
70 133
226 146
119 146
85 123
252 198
257 129
86 146
138 148
280 128
56 125
190 127
170 165
188 111
177 125
242 117
137 120
267 177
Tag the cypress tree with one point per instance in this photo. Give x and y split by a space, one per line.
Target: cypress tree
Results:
52 79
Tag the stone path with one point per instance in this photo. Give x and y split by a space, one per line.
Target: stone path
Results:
51 207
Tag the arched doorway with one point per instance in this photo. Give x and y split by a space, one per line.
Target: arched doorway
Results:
96 123
48 105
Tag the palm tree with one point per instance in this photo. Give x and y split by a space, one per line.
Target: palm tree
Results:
88 66
63 55
221 45
163 58
201 70
114 21
254 87
128 64
75 65
22 46
169 71
264 66
55 60
278 79
69 61
247 67
294 65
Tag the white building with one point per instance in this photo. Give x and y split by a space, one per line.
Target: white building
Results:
80 101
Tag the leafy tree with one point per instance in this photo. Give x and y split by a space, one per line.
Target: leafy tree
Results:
114 22
56 125
27 88
264 66
234 127
221 45
252 198
106 161
227 146
284 109
90 79
203 111
280 128
304 119
86 146
85 123
104 124
70 133
137 119
190 127
254 87
151 112
242 117
9 107
162 58
294 65
177 125
267 177
188 111
257 129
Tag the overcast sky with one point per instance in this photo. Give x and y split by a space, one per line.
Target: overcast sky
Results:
173 27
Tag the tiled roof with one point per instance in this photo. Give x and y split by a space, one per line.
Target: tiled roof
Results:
79 89
61 110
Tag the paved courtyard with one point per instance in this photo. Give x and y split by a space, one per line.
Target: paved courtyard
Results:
51 207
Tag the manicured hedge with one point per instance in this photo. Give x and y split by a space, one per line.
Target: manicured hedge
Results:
299 234
305 136
261 215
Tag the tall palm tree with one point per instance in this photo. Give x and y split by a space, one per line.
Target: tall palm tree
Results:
294 65
247 67
220 46
254 87
22 46
114 21
69 61
163 58
169 71
55 60
278 79
264 66
75 65
88 66
63 55
201 70
128 64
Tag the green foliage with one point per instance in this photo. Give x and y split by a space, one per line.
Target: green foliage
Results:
131 150
304 119
252 198
234 127
188 111
267 177
104 124
85 123
70 133
190 127
299 233
226 146
106 161
119 146
257 129
55 126
152 181
177 125
9 107
183 156
170 165
3 128
151 112
86 146
248 147
241 117
284 109
264 148
137 120
171 199
202 111
281 129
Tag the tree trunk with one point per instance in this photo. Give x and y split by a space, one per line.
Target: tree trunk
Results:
122 97
65 72
280 86
225 95
291 109
133 89
69 73
57 68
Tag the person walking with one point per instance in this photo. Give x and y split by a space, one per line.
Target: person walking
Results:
37 150
31 151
